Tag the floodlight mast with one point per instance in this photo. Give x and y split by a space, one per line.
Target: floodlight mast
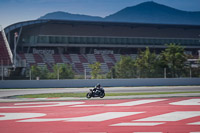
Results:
15 47
2 70
16 40
199 50
1 60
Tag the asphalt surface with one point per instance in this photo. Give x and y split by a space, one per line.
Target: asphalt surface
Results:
6 93
11 92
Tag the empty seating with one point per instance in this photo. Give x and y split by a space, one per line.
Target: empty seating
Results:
82 58
79 62
117 57
49 67
38 58
99 58
104 68
91 58
31 64
42 65
22 56
75 58
49 58
57 58
107 58
112 57
134 56
79 67
68 57
86 67
30 58
110 65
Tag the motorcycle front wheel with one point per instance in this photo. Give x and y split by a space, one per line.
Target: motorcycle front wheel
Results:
102 95
88 95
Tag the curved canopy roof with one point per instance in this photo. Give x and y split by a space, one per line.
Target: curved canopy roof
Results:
24 23
39 21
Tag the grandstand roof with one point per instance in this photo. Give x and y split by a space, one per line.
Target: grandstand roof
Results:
74 22
68 33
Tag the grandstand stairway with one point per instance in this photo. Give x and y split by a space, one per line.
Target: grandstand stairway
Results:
38 58
57 58
67 58
82 58
99 58
112 57
110 65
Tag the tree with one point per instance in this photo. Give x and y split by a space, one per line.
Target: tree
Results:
41 72
96 70
174 59
66 72
125 68
63 71
147 64
111 74
35 72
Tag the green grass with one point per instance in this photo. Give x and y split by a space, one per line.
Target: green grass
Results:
53 95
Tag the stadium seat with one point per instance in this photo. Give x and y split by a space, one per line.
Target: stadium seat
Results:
99 58
57 58
82 58
38 58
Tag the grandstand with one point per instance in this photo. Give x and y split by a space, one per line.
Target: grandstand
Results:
80 43
5 55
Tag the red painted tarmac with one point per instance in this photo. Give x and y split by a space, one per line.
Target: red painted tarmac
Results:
158 115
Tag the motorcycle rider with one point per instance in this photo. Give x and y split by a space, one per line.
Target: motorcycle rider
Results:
98 91
97 88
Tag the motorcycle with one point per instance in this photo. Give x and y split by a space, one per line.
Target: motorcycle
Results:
98 93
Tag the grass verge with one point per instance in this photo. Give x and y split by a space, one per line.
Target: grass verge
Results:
53 95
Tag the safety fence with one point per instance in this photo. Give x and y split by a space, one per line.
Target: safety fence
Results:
105 82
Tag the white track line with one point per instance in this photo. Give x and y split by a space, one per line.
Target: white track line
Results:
39 104
147 132
132 103
90 118
103 116
174 116
138 124
187 102
195 123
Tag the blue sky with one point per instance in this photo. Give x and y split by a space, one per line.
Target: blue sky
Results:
12 11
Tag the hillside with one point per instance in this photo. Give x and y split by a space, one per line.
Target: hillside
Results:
68 16
147 12
151 12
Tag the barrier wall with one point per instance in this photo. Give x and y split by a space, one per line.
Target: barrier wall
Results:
103 82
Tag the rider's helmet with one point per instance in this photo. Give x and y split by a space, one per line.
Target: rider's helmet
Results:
98 85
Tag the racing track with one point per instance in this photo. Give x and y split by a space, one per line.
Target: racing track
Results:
11 92
157 115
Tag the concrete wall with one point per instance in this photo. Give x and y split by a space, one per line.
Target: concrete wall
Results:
103 82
